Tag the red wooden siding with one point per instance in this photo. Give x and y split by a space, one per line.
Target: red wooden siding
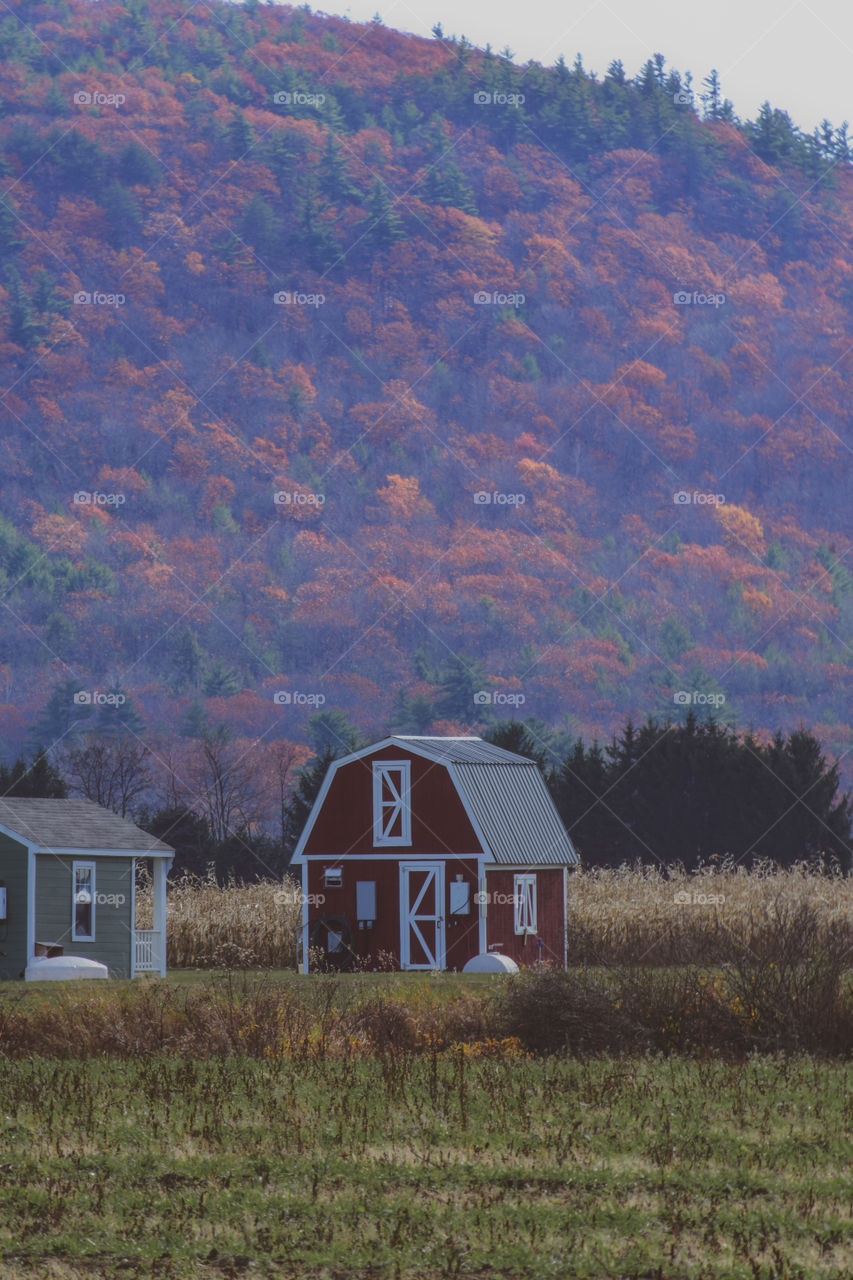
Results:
440 825
461 932
500 920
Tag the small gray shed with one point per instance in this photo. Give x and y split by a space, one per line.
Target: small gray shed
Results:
68 886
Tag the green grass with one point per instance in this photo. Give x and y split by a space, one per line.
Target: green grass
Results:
441 985
426 1166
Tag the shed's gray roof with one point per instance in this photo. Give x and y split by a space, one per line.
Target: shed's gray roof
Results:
508 798
75 824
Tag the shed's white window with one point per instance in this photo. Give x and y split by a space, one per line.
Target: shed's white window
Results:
83 902
392 815
524 898
333 877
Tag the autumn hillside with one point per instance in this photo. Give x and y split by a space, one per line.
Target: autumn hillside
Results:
348 365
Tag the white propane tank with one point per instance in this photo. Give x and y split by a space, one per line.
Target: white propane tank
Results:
490 962
62 968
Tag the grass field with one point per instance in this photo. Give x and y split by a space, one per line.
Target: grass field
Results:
419 1167
632 1119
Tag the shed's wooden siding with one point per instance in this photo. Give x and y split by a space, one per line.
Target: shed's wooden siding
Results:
113 925
13 930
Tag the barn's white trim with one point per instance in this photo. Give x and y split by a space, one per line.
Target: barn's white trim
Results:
481 882
393 855
434 947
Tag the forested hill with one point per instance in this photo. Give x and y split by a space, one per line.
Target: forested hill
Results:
351 366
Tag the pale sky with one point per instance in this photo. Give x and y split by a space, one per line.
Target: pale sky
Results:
798 55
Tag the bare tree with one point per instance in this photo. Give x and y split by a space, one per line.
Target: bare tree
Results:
114 771
283 755
227 785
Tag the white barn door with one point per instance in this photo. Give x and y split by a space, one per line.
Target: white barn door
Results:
422 943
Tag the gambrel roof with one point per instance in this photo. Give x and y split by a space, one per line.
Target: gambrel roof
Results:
75 824
504 795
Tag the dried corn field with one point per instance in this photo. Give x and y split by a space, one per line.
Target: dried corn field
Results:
240 926
642 915
636 915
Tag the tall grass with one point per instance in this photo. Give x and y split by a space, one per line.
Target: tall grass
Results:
634 915
656 916
243 926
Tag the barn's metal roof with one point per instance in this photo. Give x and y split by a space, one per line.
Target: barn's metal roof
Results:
507 797
75 824
460 750
515 813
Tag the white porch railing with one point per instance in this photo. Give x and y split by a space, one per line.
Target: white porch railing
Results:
146 946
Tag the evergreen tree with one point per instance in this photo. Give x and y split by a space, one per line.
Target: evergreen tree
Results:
382 226
515 736
461 679
333 730
333 177
307 789
220 681
260 227
411 714
45 297
39 780
24 330
123 215
119 717
239 136
63 716
10 229
139 167
668 793
312 239
188 661
194 722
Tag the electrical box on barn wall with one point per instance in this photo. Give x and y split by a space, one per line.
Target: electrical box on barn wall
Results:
365 903
460 897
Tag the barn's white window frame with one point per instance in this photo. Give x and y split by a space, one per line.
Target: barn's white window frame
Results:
524 903
86 867
392 813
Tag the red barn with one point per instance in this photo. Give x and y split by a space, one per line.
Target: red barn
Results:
432 851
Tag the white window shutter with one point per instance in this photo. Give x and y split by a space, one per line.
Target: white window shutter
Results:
525 904
392 815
